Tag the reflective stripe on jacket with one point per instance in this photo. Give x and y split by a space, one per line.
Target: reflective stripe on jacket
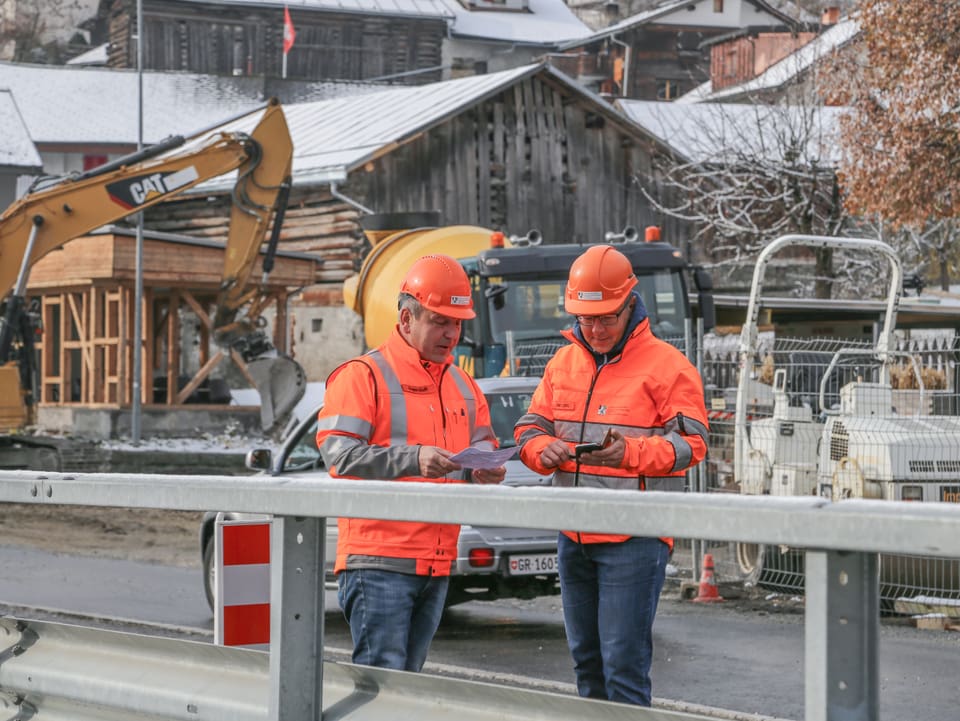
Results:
378 410
650 393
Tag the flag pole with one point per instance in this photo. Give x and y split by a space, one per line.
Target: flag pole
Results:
289 36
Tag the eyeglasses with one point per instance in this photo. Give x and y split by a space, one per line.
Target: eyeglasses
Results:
605 320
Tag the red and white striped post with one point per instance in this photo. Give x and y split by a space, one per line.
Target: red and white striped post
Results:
243 583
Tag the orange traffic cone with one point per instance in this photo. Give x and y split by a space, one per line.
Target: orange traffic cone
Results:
708 592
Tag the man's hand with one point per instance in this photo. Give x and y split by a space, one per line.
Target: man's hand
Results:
556 453
488 475
611 456
435 462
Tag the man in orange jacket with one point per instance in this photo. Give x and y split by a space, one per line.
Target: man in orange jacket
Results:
619 383
399 413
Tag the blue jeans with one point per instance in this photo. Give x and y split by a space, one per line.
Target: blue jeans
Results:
392 616
610 593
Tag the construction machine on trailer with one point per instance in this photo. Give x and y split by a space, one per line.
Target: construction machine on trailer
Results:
851 421
53 213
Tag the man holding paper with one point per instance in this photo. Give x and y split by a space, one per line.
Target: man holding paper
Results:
401 412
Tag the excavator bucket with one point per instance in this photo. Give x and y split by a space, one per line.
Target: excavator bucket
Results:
281 383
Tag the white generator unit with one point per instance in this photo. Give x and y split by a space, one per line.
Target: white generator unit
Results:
868 451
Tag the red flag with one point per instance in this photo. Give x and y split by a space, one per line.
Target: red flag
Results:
289 34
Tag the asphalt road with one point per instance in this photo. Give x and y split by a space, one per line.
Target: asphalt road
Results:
736 656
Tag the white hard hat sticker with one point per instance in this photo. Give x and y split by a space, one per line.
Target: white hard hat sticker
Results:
589 295
459 300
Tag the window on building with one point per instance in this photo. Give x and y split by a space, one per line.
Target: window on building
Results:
718 6
668 89
92 161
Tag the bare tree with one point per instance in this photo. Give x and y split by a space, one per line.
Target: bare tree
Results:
744 175
40 31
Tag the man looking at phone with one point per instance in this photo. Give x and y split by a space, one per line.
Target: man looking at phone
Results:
640 402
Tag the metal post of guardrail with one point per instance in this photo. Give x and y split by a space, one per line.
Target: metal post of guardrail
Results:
296 618
842 636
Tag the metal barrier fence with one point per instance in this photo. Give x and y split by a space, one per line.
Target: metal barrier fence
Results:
841 564
924 419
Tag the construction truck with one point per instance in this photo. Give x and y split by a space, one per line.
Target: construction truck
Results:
848 420
53 213
518 285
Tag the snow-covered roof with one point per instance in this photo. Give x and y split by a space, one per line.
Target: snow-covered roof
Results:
87 106
93 56
548 22
16 147
787 69
678 13
399 8
718 132
333 137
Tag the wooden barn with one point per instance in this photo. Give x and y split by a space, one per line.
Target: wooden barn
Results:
511 151
342 40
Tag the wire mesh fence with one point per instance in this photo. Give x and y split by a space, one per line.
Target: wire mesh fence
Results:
833 417
828 416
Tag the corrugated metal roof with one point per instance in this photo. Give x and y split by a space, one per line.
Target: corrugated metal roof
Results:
399 8
720 132
16 147
332 137
99 106
548 22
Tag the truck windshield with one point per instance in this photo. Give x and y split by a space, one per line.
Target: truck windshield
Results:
527 309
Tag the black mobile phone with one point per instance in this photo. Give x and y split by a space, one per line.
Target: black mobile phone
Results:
581 448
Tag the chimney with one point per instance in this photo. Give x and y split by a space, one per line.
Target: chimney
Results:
831 16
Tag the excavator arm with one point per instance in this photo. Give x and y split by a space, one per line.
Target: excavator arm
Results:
49 217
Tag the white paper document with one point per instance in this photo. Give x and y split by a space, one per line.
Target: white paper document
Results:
477 458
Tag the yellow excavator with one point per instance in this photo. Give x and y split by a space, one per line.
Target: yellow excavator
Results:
49 216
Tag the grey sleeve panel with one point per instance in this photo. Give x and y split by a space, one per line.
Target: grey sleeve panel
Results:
352 457
690 427
346 424
540 426
681 449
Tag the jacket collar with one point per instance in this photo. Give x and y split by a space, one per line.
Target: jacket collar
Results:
637 324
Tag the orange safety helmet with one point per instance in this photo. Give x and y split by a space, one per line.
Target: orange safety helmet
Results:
600 282
440 284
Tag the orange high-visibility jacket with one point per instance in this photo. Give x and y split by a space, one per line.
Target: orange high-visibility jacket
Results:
650 393
378 410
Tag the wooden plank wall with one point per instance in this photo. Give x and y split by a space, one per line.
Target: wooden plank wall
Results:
315 223
246 40
527 158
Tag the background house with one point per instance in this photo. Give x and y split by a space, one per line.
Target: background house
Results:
407 42
335 39
794 77
657 54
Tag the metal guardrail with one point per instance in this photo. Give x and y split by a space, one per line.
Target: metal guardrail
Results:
842 613
86 674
